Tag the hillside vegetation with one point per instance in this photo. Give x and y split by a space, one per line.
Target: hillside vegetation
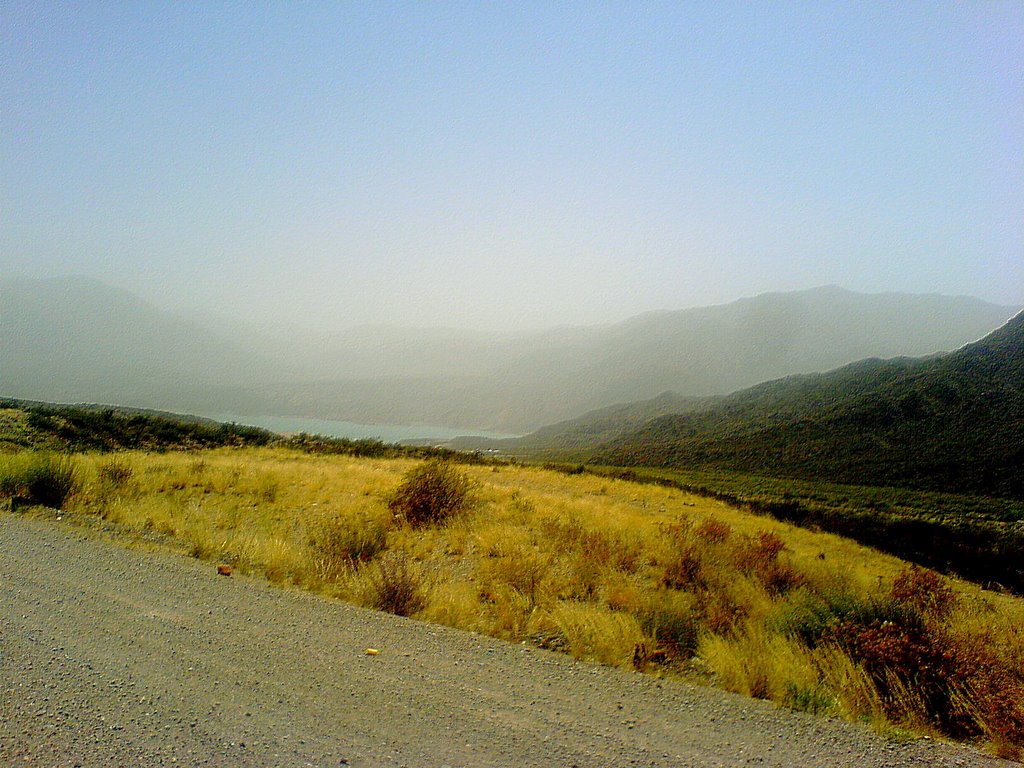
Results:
647 577
47 426
979 538
918 457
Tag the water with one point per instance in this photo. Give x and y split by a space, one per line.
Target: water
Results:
388 433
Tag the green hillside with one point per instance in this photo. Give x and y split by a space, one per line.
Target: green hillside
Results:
90 427
947 423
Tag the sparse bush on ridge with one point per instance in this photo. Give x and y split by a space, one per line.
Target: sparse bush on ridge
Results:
431 493
108 429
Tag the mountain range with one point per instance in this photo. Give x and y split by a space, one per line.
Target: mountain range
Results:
950 422
78 340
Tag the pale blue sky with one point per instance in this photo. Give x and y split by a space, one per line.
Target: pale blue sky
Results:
503 165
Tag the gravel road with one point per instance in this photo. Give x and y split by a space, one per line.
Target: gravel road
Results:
113 657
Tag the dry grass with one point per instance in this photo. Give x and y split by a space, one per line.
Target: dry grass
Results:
624 574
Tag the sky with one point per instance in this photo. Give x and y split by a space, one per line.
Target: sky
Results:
510 165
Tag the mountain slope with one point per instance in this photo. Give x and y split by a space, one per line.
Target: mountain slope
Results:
79 340
719 349
951 422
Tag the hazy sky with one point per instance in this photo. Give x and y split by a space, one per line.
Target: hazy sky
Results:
501 165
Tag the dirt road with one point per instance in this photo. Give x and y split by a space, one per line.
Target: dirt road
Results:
112 657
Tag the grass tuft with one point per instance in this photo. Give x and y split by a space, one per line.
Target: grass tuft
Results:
41 477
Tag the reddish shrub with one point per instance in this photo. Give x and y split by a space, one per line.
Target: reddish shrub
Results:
760 557
779 578
768 545
714 531
722 614
684 571
891 651
923 590
431 493
991 693
966 689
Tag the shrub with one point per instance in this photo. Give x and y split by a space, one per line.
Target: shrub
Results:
988 695
44 478
804 615
396 586
671 618
923 670
912 672
759 557
524 569
431 493
589 632
714 531
722 611
814 699
266 489
924 590
685 570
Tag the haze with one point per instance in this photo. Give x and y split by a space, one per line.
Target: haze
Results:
510 166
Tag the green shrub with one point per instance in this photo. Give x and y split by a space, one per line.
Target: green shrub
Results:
431 493
814 699
811 616
41 477
805 616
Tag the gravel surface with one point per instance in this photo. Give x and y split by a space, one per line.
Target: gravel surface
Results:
113 657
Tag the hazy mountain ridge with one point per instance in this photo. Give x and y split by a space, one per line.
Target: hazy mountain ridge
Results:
79 340
948 422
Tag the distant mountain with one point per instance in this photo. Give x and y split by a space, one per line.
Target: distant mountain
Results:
516 384
950 422
79 340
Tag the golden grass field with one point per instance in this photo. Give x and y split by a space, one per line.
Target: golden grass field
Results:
636 576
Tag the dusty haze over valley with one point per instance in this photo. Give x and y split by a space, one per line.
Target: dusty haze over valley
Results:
508 168
496 218
78 340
